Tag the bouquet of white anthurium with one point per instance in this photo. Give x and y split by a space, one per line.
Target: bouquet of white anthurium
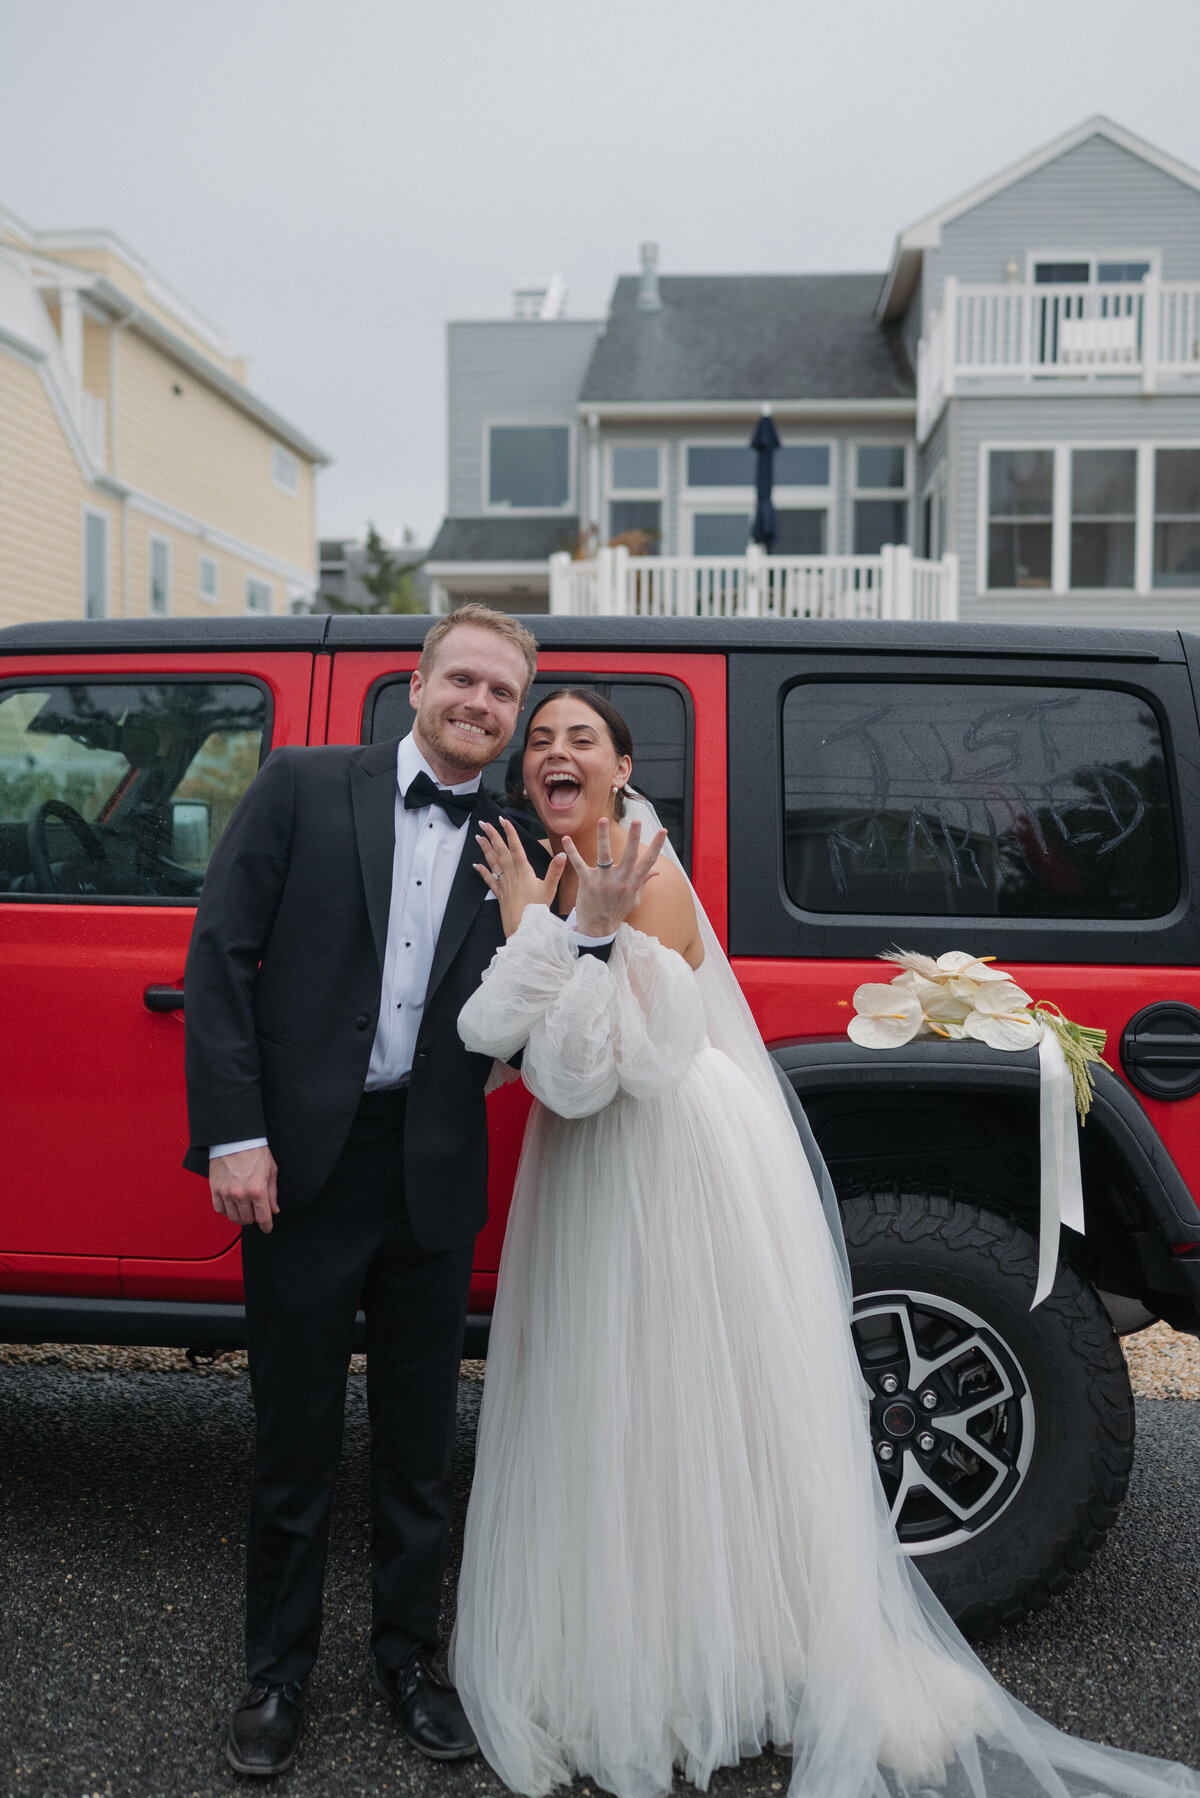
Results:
964 997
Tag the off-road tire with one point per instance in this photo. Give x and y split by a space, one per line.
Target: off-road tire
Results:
1072 1489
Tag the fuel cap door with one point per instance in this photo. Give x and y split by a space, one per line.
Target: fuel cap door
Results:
1160 1051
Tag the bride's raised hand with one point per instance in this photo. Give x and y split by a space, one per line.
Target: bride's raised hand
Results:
611 890
507 873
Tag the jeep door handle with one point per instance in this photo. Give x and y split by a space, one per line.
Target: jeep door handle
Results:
163 998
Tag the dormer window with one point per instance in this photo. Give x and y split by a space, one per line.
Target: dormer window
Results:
1114 270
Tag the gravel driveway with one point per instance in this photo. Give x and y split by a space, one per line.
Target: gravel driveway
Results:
122 1500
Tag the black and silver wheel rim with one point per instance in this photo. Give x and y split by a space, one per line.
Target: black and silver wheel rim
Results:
952 1418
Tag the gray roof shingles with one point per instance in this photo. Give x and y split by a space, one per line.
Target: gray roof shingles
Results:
749 337
499 539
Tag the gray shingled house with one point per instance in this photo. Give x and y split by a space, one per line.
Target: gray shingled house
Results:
1016 400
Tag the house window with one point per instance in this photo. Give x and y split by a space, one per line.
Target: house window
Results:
285 470
258 595
720 465
635 497
1177 518
720 533
880 496
799 531
635 468
1103 517
209 579
160 577
1020 517
529 466
95 565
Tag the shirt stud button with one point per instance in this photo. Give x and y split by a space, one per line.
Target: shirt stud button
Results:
362 1020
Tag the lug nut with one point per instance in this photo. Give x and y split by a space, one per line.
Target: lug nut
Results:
929 1399
889 1384
886 1452
926 1441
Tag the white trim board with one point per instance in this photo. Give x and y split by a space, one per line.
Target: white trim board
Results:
748 409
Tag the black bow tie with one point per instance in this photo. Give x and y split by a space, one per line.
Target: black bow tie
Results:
422 792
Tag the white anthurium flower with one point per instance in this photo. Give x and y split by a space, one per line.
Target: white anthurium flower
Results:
940 1001
1001 1020
957 965
888 1017
954 1033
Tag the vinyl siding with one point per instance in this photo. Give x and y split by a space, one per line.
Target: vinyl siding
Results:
1095 197
1053 419
42 496
196 451
510 372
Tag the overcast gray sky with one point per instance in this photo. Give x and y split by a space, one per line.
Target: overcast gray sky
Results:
330 180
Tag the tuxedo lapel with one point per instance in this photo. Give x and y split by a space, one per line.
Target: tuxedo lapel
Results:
467 894
373 796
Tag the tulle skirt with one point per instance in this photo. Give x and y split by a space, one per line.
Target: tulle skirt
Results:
677 1550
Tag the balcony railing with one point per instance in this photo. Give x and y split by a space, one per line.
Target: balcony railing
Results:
893 584
1148 331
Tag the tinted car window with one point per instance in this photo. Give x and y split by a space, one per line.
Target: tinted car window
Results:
122 789
655 712
976 800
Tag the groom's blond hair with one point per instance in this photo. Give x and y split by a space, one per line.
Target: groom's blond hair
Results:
489 620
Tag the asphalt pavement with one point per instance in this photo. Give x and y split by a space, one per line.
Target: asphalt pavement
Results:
122 1507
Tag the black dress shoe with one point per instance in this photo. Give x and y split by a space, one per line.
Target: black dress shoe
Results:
264 1731
427 1708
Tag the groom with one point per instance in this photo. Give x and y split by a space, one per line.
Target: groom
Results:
341 1123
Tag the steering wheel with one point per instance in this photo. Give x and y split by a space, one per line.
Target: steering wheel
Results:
88 838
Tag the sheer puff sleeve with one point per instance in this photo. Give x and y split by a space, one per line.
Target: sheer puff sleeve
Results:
589 1029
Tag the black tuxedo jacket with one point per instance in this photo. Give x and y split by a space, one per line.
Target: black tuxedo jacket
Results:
283 985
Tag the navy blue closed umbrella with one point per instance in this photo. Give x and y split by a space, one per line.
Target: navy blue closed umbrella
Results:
764 443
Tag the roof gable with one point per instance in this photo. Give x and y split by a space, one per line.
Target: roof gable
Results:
926 233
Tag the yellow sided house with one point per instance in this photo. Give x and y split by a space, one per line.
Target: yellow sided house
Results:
139 476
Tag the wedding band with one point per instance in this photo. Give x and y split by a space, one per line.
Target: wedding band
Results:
604 864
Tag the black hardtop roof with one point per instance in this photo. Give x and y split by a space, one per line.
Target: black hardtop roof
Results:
812 636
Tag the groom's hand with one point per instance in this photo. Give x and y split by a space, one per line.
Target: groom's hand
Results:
243 1187
608 892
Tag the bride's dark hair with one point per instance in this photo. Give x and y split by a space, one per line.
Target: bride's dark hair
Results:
618 730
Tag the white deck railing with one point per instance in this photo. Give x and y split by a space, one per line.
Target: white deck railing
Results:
893 584
1148 330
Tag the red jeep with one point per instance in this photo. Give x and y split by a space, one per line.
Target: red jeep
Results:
834 789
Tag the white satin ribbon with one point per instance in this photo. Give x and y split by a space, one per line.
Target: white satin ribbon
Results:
1062 1180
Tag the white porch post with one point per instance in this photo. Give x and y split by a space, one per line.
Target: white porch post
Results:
1151 314
560 583
756 580
948 610
887 581
902 576
620 579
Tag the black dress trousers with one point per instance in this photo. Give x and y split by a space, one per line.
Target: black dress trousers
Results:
351 1246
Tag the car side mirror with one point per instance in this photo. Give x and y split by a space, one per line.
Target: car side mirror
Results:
191 823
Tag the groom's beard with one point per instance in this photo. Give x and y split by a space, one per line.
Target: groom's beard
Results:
468 751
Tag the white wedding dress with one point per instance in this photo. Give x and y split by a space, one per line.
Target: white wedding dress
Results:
677 1550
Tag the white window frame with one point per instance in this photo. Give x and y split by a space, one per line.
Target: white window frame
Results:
903 494
285 470
1060 534
153 542
213 598
785 498
499 509
257 580
102 518
649 494
1093 258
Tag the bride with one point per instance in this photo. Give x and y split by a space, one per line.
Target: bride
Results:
677 1550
